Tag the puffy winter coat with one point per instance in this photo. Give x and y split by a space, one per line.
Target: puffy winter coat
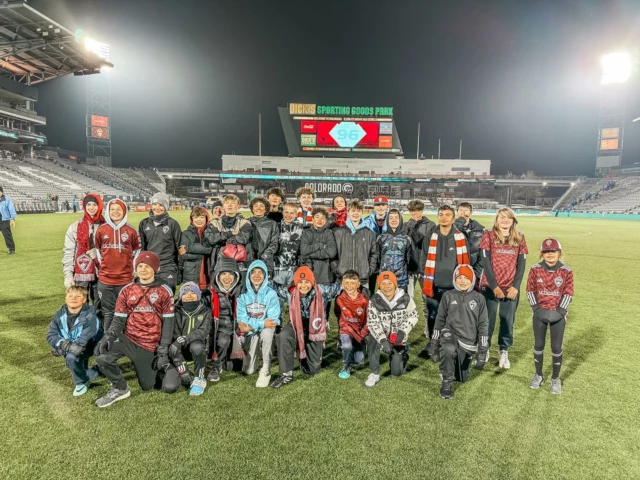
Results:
217 235
417 231
195 263
395 252
85 328
317 249
386 317
357 250
226 298
264 241
473 231
195 326
288 245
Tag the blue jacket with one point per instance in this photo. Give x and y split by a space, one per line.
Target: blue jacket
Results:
7 209
255 307
370 222
395 253
85 329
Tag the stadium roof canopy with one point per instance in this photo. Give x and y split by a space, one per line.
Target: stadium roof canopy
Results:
34 48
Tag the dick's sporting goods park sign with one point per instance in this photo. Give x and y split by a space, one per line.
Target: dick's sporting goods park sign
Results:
346 188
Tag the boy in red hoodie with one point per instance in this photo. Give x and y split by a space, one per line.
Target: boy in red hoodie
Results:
353 322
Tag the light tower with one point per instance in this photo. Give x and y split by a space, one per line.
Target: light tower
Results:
616 70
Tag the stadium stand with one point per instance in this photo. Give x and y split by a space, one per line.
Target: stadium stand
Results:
616 195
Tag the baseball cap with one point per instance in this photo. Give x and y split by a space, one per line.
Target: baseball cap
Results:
381 200
550 245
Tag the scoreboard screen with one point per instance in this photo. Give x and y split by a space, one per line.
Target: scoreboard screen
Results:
344 129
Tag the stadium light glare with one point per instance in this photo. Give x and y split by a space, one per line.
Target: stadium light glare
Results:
616 68
544 184
103 50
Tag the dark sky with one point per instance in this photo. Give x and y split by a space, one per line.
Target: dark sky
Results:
517 80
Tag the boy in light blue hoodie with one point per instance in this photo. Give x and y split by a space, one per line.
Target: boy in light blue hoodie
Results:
258 315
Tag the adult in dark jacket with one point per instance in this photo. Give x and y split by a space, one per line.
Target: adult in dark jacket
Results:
264 242
418 228
356 245
161 234
395 249
195 252
318 247
473 231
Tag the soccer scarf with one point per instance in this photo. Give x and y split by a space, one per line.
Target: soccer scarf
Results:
303 217
84 267
430 267
317 322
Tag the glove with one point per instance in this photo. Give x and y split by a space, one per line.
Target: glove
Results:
64 346
433 351
161 360
385 346
68 282
174 349
56 352
75 349
482 355
104 345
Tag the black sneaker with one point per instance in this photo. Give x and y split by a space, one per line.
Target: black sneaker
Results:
281 381
446 391
214 375
12 252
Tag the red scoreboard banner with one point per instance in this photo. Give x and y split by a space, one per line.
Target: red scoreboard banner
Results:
369 140
99 132
99 121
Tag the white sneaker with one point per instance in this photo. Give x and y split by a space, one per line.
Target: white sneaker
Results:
372 379
264 377
503 362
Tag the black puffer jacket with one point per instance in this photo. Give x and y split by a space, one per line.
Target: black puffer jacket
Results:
417 232
473 231
234 230
194 325
226 298
265 241
317 249
198 251
357 250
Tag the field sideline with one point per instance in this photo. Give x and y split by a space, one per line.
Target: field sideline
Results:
324 427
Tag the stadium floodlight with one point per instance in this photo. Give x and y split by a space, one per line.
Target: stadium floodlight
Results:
616 68
103 50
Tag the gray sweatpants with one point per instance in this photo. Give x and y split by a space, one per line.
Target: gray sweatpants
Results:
255 345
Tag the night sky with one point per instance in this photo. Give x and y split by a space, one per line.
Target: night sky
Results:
517 80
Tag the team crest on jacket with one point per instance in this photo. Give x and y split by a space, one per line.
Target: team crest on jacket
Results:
124 237
256 309
473 304
558 281
153 297
84 262
360 311
165 229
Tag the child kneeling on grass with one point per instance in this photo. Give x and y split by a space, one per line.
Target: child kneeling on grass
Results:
391 317
258 316
550 291
353 305
461 321
191 329
73 333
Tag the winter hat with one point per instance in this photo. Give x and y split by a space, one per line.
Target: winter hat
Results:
463 271
148 258
89 198
304 273
387 275
550 245
161 199
190 287
123 206
217 203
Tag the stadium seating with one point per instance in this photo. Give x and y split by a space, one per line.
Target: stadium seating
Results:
614 195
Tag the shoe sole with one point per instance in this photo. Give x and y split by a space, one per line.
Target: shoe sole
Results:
122 397
213 380
79 394
446 398
534 387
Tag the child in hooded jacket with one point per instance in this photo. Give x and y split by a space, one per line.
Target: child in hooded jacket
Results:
395 249
195 251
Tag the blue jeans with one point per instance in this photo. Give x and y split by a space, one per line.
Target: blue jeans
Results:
352 351
78 366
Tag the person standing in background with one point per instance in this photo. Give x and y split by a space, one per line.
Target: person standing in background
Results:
7 220
276 198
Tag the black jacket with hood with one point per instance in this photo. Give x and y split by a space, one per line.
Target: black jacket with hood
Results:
317 249
195 325
357 250
464 313
226 298
198 251
417 232
264 242
235 230
473 231
395 252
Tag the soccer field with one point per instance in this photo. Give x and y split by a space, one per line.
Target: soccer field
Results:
325 427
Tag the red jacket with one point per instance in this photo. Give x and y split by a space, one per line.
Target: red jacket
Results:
353 316
117 247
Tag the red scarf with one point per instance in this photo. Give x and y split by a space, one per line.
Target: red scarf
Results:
84 266
340 217
430 267
304 217
317 322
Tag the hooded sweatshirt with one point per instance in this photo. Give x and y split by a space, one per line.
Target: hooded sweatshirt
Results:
195 263
357 250
386 317
417 232
256 307
465 314
372 222
395 252
223 301
117 245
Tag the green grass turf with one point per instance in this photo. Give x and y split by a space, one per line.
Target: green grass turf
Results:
324 427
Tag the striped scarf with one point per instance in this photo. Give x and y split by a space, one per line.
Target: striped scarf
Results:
430 267
304 217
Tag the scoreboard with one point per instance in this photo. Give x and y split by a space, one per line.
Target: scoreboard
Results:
344 129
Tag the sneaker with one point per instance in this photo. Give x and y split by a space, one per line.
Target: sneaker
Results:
80 390
556 386
536 381
446 390
281 381
372 379
345 373
12 252
113 396
263 378
503 360
214 375
198 387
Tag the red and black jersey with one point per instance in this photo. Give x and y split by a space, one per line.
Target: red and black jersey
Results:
353 316
504 259
117 247
146 308
550 287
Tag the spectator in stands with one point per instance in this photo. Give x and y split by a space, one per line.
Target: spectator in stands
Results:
377 222
417 228
444 249
504 256
264 242
231 235
395 249
77 266
356 246
305 196
116 245
161 234
473 231
216 210
195 251
339 213
276 198
7 220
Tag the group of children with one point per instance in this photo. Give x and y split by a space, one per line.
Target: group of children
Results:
238 276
